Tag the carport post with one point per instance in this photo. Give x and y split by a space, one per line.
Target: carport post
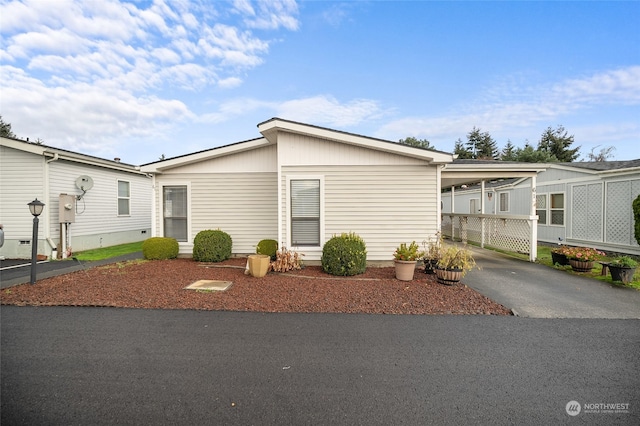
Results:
533 220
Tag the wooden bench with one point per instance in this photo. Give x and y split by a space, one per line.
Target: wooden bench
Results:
605 268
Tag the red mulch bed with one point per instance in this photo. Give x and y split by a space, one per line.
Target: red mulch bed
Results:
160 284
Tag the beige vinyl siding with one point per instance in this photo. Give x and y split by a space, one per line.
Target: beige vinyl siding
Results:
385 205
244 205
21 180
97 211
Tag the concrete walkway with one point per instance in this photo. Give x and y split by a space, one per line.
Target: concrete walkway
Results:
537 291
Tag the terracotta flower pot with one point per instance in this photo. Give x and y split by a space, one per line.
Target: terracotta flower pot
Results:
448 276
405 269
581 266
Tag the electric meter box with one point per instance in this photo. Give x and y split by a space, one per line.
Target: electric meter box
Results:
67 208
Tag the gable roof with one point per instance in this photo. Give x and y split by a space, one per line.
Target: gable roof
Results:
63 154
270 129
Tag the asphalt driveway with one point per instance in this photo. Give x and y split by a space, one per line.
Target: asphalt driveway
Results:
537 291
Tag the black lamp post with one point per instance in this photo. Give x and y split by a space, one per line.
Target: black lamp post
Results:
35 207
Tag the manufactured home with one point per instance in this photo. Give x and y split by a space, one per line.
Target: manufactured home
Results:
89 202
301 184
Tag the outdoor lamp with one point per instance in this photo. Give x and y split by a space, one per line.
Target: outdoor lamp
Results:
35 207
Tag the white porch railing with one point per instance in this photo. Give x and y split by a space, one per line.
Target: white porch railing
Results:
514 233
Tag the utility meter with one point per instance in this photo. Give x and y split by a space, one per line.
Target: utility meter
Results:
67 208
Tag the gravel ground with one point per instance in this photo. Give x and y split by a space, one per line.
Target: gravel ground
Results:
160 284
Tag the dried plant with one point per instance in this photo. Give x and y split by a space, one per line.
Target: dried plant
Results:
286 260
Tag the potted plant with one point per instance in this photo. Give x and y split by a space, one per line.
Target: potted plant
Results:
623 268
406 257
432 253
454 263
558 255
582 259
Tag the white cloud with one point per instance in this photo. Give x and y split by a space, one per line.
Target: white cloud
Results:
516 106
90 68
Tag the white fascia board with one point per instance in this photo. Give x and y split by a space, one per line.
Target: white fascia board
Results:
269 130
160 166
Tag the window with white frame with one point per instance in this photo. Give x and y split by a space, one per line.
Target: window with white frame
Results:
305 212
124 198
503 202
556 209
175 212
541 208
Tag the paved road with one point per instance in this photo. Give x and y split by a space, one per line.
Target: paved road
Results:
537 291
79 366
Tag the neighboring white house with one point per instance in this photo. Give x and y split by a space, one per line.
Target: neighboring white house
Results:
301 184
89 202
581 203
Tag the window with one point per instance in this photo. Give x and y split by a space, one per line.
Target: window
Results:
541 209
504 202
305 212
124 198
557 209
175 212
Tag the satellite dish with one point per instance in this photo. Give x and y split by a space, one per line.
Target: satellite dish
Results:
84 183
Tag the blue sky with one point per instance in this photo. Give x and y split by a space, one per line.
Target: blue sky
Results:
136 80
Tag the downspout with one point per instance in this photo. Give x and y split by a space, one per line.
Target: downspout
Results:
47 222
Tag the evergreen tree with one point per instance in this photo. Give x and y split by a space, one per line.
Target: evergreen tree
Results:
508 152
420 143
530 155
557 142
5 129
482 145
461 151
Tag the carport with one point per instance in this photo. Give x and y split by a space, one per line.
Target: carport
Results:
517 233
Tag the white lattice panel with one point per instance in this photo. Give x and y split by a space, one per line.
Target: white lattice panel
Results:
579 222
506 234
619 212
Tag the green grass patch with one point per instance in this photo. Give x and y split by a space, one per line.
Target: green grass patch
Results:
108 252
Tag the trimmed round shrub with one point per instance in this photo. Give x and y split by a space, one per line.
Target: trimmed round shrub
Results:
159 248
268 247
344 255
212 246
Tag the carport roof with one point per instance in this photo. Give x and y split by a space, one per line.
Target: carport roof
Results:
465 172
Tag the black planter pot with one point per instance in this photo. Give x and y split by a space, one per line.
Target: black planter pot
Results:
622 273
430 266
559 258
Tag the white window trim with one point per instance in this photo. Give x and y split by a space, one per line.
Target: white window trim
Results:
546 209
498 196
118 197
161 210
564 209
306 249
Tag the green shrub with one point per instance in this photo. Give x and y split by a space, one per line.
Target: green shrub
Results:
159 248
212 246
344 255
268 247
